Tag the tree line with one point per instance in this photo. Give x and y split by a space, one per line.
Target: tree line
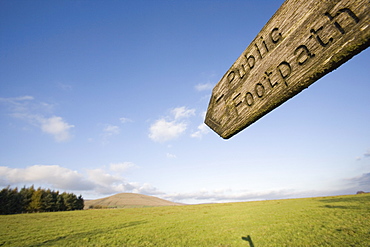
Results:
31 200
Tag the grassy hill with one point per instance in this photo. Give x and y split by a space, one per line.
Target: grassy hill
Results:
322 221
128 200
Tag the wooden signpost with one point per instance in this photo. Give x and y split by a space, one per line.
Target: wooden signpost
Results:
303 41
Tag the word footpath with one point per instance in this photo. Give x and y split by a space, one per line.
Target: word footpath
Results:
303 41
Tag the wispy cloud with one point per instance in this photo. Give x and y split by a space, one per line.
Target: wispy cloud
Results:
171 156
204 86
172 126
206 196
125 120
202 130
229 195
35 113
18 105
365 155
182 112
361 182
121 167
17 100
109 130
64 86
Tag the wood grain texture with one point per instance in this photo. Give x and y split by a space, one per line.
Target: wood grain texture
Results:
303 41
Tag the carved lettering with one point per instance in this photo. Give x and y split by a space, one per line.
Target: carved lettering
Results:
264 44
238 103
285 70
275 38
287 57
315 34
219 98
259 89
231 76
269 80
249 99
304 54
258 50
344 10
251 61
241 71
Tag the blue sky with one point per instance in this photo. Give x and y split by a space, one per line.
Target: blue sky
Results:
104 97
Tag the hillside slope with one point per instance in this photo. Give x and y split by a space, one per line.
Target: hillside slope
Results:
129 200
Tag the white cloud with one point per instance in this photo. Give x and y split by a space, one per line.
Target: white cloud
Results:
17 105
99 176
56 127
205 196
94 181
53 175
17 100
162 130
171 156
121 167
204 87
101 182
111 130
228 195
106 183
64 86
108 131
202 130
182 112
34 113
171 127
125 120
146 189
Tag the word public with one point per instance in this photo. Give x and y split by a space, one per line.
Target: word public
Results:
286 57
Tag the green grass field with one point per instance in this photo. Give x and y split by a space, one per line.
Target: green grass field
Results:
325 221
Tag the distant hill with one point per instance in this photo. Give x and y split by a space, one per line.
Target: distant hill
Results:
128 200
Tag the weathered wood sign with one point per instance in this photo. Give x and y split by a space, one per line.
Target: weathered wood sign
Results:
303 41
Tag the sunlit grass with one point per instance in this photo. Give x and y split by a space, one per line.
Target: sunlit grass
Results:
325 221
